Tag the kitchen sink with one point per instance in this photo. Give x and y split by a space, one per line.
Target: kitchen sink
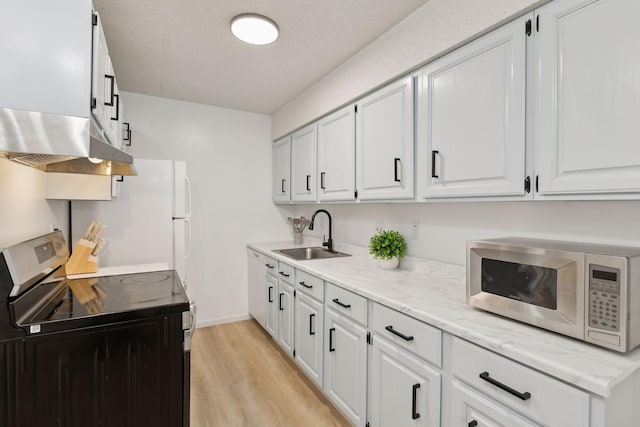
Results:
317 252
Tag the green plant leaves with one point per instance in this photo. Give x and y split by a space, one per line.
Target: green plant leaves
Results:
387 244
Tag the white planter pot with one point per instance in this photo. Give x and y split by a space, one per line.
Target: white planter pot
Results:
389 264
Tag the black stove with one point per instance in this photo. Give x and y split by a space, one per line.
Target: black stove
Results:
109 351
96 300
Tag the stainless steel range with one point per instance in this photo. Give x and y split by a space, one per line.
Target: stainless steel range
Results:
110 351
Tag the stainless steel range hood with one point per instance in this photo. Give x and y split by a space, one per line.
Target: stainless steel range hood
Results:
56 143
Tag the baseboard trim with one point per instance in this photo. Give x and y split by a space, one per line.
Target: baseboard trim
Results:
211 322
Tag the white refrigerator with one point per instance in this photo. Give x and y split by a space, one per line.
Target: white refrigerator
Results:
149 220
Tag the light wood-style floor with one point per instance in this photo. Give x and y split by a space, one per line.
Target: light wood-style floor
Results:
240 377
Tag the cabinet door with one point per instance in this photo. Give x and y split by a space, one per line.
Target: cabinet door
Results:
309 336
336 156
587 98
271 290
471 117
281 152
285 316
345 365
303 164
103 89
385 143
256 279
469 408
403 390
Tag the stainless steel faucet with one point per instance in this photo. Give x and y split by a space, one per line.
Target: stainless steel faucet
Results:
328 243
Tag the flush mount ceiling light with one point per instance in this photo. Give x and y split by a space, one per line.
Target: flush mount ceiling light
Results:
255 29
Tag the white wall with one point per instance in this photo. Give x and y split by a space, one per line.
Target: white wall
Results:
433 28
228 154
444 228
24 212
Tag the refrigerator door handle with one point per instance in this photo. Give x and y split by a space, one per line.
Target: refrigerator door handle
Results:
187 222
188 201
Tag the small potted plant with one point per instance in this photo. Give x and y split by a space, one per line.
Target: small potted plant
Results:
387 247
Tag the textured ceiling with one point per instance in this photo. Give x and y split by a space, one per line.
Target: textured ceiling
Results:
183 49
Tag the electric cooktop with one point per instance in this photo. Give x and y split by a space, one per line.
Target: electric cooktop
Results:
53 305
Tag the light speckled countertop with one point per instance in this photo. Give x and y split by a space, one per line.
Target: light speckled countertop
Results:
434 292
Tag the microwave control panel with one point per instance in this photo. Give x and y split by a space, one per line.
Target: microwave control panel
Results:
604 297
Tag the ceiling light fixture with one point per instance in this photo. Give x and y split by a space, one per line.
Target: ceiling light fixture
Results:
254 29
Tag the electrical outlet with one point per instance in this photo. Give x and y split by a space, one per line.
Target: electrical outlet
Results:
379 226
415 231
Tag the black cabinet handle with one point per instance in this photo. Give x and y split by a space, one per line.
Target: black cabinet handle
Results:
117 99
269 266
126 132
523 396
305 285
112 80
308 178
331 331
400 334
280 302
395 169
472 423
337 301
322 174
270 294
282 273
282 185
311 331
414 402
121 179
433 163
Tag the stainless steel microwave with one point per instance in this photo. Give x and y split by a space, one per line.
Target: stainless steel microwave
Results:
586 291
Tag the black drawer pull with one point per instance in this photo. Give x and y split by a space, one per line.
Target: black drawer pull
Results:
308 178
282 273
270 294
400 334
305 285
395 169
523 396
269 266
337 301
414 402
433 163
472 423
331 331
322 174
311 331
280 302
282 185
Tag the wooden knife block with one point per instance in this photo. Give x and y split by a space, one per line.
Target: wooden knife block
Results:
81 261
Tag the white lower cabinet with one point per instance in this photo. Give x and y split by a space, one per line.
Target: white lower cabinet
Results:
403 390
470 409
309 333
271 315
256 277
345 365
285 312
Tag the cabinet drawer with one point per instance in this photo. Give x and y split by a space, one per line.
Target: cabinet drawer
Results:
271 265
531 393
347 303
423 340
310 285
285 272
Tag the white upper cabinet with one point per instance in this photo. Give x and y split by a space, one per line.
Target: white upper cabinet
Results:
587 98
281 153
103 80
385 143
303 164
336 156
471 118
